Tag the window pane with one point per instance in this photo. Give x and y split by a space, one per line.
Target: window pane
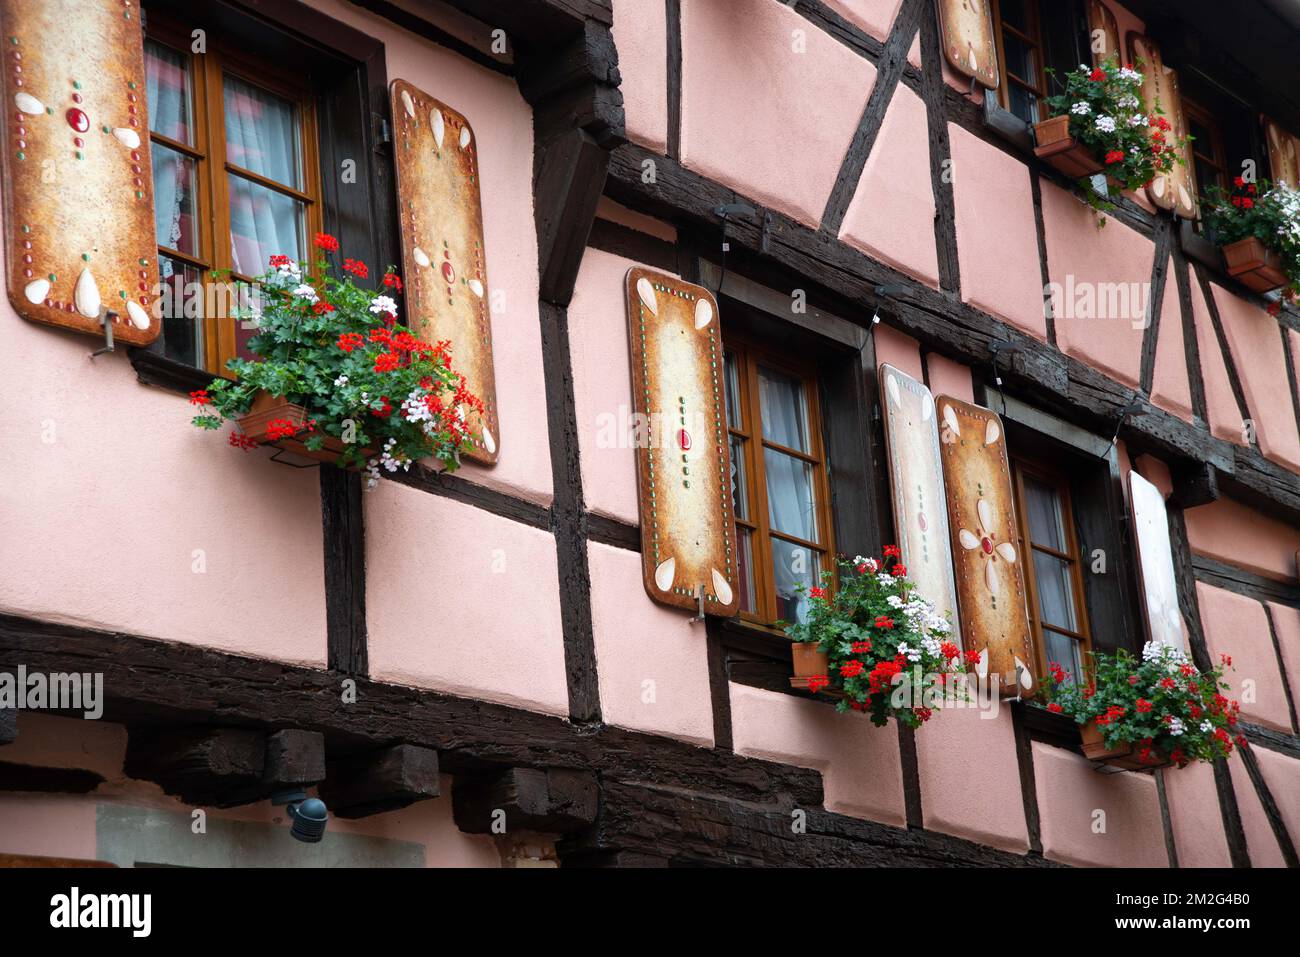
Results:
175 193
1022 60
1043 505
182 304
167 85
745 568
1015 14
262 132
791 503
732 368
739 478
1064 650
783 409
791 566
263 223
1023 103
1055 591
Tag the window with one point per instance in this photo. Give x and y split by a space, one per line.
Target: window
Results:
1052 564
779 482
1033 37
1208 155
235 182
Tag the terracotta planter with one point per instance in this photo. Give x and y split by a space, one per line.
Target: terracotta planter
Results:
1122 758
1254 265
268 408
808 661
1059 149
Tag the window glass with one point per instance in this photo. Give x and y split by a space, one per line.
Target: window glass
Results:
791 503
261 132
263 223
793 565
167 85
783 410
175 198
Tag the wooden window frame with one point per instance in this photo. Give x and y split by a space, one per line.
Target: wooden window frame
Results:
1217 155
1060 482
750 354
212 205
1036 42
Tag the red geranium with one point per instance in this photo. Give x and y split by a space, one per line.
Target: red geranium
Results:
326 242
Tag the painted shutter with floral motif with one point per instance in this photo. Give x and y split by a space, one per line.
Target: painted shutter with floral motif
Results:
966 28
920 502
982 524
78 183
1103 33
443 257
1176 190
683 462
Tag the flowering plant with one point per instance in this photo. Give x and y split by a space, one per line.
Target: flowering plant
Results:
1269 213
1160 704
336 349
885 645
1104 104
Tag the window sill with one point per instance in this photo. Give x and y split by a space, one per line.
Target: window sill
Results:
153 368
1055 730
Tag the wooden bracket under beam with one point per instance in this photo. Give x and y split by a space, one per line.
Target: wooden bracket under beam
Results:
381 781
219 767
570 177
553 801
1195 484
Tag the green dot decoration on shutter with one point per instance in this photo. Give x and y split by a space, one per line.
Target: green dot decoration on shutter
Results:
444 265
79 212
982 526
966 29
688 538
920 500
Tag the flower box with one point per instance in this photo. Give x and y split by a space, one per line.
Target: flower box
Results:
808 660
1062 151
267 408
1254 265
1122 757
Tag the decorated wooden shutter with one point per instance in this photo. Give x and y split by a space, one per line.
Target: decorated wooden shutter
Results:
1177 189
78 184
688 549
1103 33
1283 154
966 27
920 502
982 524
1155 563
443 258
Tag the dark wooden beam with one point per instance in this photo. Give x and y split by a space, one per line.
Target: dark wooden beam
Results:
673 44
26 777
1285 842
219 767
1194 484
536 24
343 526
380 781
554 801
8 725
480 51
1244 582
467 492
570 178
1165 237
1057 382
934 91
294 758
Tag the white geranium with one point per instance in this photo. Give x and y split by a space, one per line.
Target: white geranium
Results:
1081 109
383 305
1127 74
304 291
1106 124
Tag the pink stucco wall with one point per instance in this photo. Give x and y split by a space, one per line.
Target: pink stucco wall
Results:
1196 818
1261 842
1234 533
1257 350
1094 819
1282 775
503 127
611 211
462 601
738 59
602 385
876 17
641 35
1286 620
652 662
949 378
997 239
1092 259
900 350
1221 404
1171 388
859 762
1237 626
970 778
891 216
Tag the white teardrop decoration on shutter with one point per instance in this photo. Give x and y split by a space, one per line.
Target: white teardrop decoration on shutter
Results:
439 126
950 420
28 104
992 432
420 256
37 290
982 668
891 387
86 295
1023 674
408 104
664 574
703 313
991 577
968 539
489 443
927 407
464 137
646 292
475 287
139 317
1006 551
720 587
128 138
